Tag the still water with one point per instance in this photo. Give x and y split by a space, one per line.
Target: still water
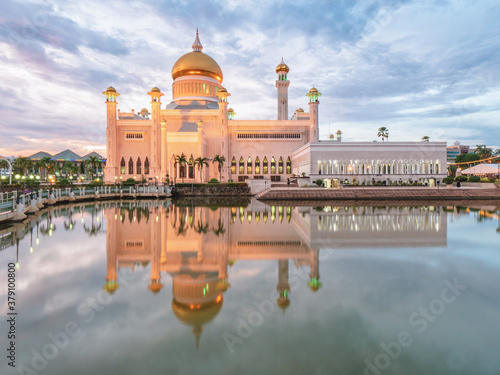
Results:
188 288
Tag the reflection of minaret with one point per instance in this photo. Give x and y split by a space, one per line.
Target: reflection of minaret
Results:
156 284
314 283
111 283
283 286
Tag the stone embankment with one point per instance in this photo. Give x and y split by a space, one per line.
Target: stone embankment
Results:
382 193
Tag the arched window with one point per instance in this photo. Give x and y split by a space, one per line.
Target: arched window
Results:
191 167
280 165
264 165
288 166
146 166
130 166
139 166
233 165
249 165
273 165
257 165
242 166
122 166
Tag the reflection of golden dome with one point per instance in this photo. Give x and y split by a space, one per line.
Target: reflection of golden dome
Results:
155 286
196 63
283 303
282 67
197 316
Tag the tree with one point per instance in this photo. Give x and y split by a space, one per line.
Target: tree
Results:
462 158
4 164
22 165
201 162
181 161
496 152
92 163
383 132
70 167
44 165
220 160
483 151
425 138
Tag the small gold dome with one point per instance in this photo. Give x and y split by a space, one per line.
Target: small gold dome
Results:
111 89
338 131
300 110
155 89
197 63
230 110
222 89
313 90
144 110
282 67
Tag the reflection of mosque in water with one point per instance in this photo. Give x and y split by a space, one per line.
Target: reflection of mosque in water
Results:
195 245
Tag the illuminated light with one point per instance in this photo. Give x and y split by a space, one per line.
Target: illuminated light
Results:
134 218
17 265
116 216
97 219
156 218
206 287
191 307
31 250
71 226
82 220
51 226
121 217
218 299
37 241
50 233
285 293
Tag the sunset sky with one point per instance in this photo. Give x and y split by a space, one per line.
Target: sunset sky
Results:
420 68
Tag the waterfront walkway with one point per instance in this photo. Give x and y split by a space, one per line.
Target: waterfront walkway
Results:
14 207
379 193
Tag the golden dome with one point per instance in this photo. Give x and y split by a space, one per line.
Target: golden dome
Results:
313 90
144 110
222 89
110 89
282 67
197 63
197 315
230 110
155 89
300 110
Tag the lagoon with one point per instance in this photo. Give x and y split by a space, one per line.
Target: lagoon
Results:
197 287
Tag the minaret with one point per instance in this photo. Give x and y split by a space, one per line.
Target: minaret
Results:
282 85
223 95
313 95
156 143
111 170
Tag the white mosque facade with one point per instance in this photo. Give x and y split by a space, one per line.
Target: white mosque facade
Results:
198 123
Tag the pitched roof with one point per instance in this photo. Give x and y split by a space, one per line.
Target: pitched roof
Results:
39 155
93 153
67 155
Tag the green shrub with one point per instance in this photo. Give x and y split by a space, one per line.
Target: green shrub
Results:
96 183
129 182
448 180
474 179
461 178
213 181
319 182
63 182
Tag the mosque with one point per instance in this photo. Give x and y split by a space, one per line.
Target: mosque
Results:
198 123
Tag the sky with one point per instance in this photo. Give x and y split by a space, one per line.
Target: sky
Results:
419 68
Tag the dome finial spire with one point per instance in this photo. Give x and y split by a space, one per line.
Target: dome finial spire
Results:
197 47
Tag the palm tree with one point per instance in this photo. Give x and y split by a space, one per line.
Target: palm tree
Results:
383 132
44 165
483 151
220 160
181 161
425 138
70 167
22 165
201 163
92 163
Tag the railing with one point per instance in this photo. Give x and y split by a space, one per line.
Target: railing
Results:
8 201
